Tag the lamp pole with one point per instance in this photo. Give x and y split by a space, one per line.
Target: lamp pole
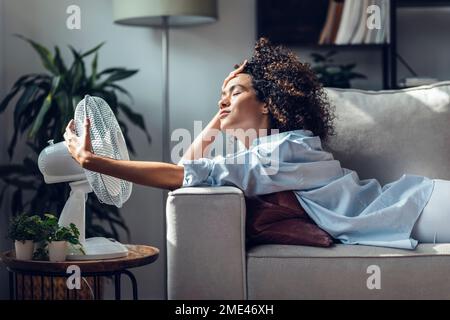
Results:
165 120
165 75
156 13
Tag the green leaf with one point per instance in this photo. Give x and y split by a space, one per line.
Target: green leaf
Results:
111 70
348 67
16 87
44 53
12 143
120 89
109 96
95 49
59 63
77 71
26 119
119 75
55 85
128 141
40 118
24 102
93 77
45 107
135 118
65 109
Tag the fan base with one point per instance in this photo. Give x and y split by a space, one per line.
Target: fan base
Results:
99 248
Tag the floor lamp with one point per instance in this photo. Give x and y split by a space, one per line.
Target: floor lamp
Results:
165 14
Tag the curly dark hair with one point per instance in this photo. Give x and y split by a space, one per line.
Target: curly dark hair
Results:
292 91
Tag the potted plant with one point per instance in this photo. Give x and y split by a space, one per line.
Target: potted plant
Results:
58 238
24 230
331 74
42 105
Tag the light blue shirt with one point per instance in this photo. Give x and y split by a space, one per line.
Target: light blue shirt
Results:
351 210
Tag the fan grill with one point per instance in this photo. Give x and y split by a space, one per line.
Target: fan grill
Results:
107 141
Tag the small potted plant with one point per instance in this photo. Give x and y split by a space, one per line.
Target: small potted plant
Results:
332 74
24 230
59 237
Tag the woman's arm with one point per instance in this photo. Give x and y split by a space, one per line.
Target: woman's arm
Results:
153 174
199 148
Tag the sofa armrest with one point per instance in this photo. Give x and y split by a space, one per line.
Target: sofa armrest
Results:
206 243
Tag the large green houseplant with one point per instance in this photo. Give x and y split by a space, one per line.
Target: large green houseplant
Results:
44 104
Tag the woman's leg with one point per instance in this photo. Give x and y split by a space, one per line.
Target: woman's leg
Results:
433 225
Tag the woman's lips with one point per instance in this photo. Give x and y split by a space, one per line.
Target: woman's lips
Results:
223 114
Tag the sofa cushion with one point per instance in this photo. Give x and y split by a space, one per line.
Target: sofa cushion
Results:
278 218
344 271
384 134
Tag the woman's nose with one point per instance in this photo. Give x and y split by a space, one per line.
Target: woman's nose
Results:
223 103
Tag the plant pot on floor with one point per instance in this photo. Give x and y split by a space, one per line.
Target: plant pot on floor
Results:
24 249
57 251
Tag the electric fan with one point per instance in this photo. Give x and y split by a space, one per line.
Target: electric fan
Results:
57 165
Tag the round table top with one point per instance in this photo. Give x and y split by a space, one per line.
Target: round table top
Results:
138 255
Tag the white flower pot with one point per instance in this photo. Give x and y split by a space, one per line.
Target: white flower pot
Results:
57 251
24 249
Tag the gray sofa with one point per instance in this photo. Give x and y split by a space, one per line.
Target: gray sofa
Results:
380 134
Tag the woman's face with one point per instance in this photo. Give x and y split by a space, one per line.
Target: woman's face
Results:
239 106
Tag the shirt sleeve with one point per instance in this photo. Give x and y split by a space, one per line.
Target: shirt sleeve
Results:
257 171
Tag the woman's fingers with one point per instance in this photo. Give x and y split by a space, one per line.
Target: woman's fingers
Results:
87 134
70 126
70 134
234 73
241 68
78 146
71 140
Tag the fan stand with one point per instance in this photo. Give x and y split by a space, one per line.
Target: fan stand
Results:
97 248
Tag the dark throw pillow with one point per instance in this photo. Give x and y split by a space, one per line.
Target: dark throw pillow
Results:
278 218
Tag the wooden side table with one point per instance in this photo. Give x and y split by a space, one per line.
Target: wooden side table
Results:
42 276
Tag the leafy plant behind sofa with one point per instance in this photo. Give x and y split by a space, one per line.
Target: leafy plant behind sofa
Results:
334 75
45 105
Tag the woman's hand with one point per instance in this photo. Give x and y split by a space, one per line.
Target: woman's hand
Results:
215 122
233 74
154 174
79 147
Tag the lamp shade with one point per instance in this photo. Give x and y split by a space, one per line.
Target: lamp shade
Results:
151 12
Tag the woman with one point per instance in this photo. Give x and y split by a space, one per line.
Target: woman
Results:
274 90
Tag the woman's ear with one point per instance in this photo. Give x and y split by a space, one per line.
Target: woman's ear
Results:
265 109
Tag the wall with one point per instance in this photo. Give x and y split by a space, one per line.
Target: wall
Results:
200 57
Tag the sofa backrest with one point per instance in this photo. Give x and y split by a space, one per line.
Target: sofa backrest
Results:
385 134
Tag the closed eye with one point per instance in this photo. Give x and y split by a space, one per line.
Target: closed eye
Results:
236 93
